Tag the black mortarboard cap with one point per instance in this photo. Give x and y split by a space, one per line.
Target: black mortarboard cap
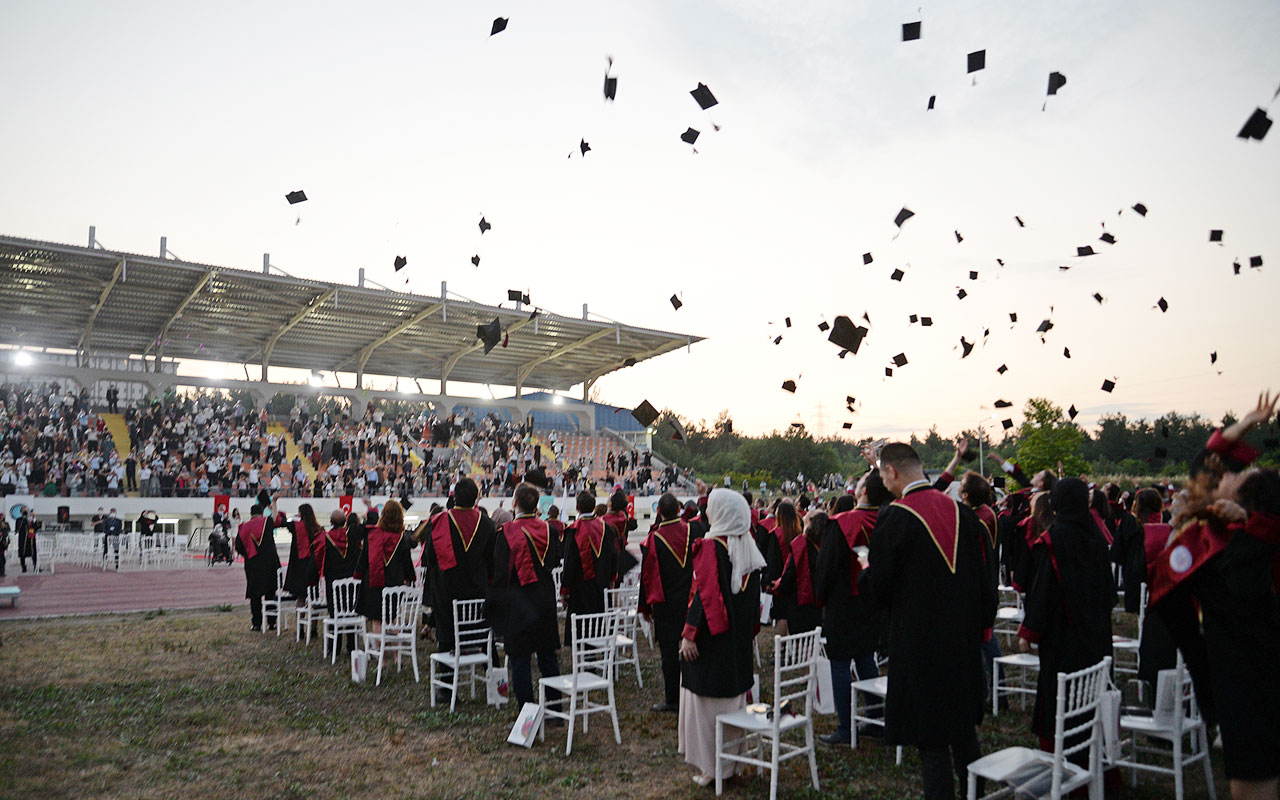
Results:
1215 236
1098 296
1013 316
888 372
1056 81
405 502
296 197
1235 268
690 136
675 302
915 318
896 275
847 425
849 399
959 238
1084 251
977 60
1108 238
824 325
515 295
926 322
962 294
490 334
584 147
1162 304
789 386
900 360
973 274
1018 220
969 455
1141 209
1256 127
787 321
1002 369
1003 404
1213 357
400 262
910 31
998 481
866 258
610 88
1108 385
1007 423
1045 326
777 340
903 215
932 99
1071 412
846 335
475 260
629 362
799 425
1066 352
499 25
704 96
484 225
1162 452
645 413
1255 261
966 346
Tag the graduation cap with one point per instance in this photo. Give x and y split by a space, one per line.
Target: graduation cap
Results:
484 225
824 325
1071 412
1066 352
977 60
296 197
1045 326
1098 296
1162 304
998 481
866 258
962 294
645 413
1108 238
777 340
847 425
629 362
1003 404
405 502
1007 424
675 302
490 334
926 322
1056 81
846 335
789 386
932 98
896 275
1002 369
1256 126
1235 268
1213 357
400 263
516 296
903 215
1084 251
966 346
1255 261
788 321
910 31
499 25
900 360
475 260
1141 209
1018 220
888 372
690 136
969 455
1162 452
704 97
849 400
584 147
1108 385
1013 316
914 318
973 274
959 238
610 84
1215 236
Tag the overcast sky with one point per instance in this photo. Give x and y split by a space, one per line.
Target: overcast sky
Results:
405 122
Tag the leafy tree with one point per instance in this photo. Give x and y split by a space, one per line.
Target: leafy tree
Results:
1047 437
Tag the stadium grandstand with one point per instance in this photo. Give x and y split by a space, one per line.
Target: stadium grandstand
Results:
97 404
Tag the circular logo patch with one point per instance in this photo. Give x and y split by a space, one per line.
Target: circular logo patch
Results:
1180 559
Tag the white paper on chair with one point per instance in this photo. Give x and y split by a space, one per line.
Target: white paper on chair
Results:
754 695
766 608
359 665
526 728
824 701
497 690
1110 711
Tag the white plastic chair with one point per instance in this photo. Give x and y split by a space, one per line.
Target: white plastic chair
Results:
343 619
309 613
1130 647
1176 715
871 687
272 608
626 603
1052 775
556 576
795 679
594 649
472 647
399 634
1027 666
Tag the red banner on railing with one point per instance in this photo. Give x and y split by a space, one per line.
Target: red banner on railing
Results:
221 503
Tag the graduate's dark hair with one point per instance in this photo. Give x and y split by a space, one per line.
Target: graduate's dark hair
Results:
802 505
1260 491
465 493
877 494
976 488
789 521
526 498
1147 502
601 509
900 456
1098 502
748 497
255 510
553 512
618 501
308 515
1112 491
816 522
844 502
668 506
586 502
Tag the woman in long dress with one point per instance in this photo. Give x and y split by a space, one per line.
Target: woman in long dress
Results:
715 648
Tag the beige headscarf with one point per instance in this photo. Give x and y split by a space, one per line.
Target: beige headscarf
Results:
730 517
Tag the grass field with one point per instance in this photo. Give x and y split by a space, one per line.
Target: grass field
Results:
192 705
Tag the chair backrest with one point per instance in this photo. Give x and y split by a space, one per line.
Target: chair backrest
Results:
344 597
626 602
795 672
595 643
279 581
471 631
1176 705
315 596
1142 610
1079 705
556 575
399 608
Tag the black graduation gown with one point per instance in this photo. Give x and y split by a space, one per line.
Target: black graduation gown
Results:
587 596
723 667
852 624
301 572
398 571
26 538
339 563
1071 625
467 580
1128 552
260 571
937 617
676 579
786 596
524 617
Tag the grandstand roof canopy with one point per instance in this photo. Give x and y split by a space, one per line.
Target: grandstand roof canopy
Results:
95 300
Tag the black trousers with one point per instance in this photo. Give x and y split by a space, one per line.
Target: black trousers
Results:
522 676
667 631
941 766
255 611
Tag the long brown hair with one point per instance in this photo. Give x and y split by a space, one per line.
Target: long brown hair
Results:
308 515
391 519
789 521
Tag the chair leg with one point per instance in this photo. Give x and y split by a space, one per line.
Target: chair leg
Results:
995 690
1177 768
453 697
813 757
573 722
431 682
413 657
719 760
381 657
1208 767
773 768
613 713
542 718
973 786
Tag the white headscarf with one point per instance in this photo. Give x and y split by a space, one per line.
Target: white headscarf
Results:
730 517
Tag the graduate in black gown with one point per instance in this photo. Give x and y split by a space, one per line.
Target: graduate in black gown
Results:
795 603
927 569
666 574
336 559
590 562
1068 605
301 572
458 555
715 648
522 595
617 517
255 541
1156 650
1216 586
384 562
1127 550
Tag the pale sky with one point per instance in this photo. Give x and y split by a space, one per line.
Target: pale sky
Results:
405 122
